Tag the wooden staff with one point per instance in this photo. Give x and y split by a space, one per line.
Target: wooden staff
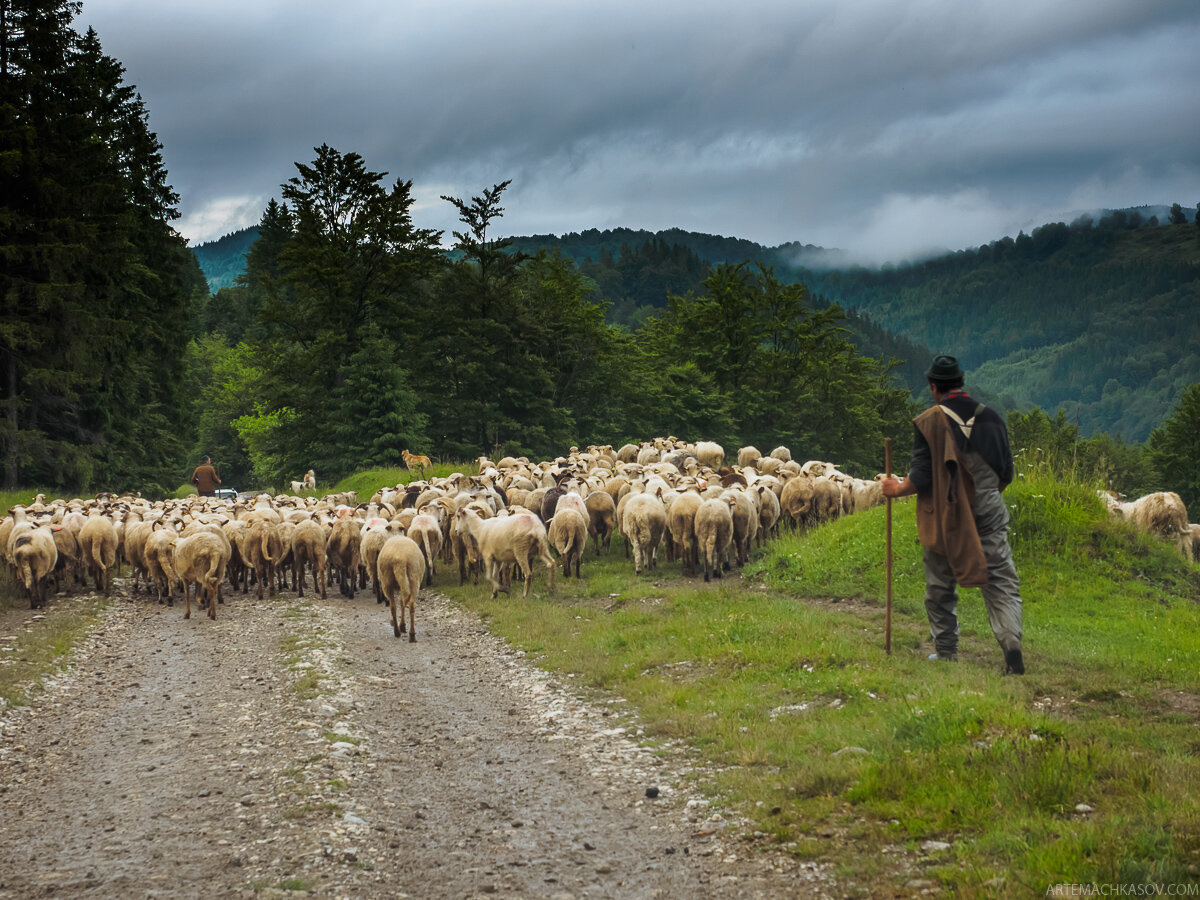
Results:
887 566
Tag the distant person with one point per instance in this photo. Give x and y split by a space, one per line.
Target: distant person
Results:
961 461
206 479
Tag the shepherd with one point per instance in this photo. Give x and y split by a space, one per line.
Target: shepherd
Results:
961 463
416 462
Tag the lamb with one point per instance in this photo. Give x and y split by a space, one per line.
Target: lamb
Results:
714 533
509 539
401 571
568 535
200 559
34 555
644 519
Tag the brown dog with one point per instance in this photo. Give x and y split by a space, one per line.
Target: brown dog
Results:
414 461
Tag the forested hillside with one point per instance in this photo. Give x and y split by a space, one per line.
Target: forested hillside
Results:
1099 320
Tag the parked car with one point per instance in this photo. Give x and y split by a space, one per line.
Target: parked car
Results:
227 493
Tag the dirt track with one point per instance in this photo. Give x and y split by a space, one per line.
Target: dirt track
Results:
180 759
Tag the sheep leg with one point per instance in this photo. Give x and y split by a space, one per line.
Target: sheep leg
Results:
187 600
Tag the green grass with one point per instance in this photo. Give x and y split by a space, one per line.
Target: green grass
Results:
769 677
366 483
41 646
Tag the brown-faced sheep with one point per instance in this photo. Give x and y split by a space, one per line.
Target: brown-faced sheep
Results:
401 568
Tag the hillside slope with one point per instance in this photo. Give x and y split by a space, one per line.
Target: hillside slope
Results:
1098 321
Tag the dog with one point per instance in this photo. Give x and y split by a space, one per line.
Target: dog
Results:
416 462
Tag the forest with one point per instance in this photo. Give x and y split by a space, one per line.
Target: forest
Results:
341 332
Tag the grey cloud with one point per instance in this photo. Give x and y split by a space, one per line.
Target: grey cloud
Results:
780 121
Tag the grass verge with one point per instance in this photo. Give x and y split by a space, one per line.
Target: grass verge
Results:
36 644
1084 771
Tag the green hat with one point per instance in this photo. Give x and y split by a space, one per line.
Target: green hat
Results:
944 370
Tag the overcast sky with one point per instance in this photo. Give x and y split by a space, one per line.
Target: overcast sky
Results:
885 127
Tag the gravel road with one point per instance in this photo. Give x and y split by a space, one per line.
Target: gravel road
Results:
183 759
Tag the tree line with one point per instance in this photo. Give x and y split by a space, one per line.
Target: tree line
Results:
351 336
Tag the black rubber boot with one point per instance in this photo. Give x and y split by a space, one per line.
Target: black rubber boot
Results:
1013 663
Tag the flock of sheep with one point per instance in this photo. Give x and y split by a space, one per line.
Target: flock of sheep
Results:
666 495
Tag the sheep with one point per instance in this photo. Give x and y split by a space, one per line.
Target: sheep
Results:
568 535
200 559
602 511
1163 515
681 521
747 457
1194 540
769 512
263 551
866 495
714 533
308 550
783 454
643 521
510 539
136 532
67 546
745 523
159 556
34 555
342 554
401 570
98 549
427 533
710 454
